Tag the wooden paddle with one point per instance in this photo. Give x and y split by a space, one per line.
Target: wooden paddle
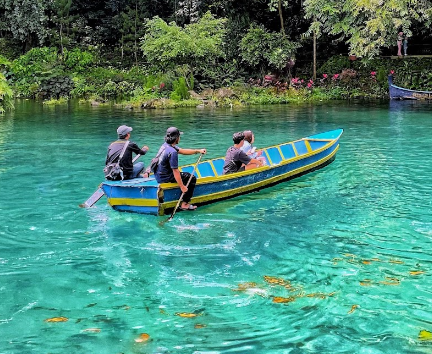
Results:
99 193
187 184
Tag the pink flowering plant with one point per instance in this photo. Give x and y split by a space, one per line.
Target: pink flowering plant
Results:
296 82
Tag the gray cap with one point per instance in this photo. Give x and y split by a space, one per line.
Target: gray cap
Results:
123 130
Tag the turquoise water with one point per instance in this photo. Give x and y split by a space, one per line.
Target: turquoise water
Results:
341 243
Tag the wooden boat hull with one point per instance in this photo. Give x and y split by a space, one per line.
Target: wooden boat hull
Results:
284 161
400 93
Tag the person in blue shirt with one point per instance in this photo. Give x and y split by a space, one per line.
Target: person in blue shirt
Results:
167 170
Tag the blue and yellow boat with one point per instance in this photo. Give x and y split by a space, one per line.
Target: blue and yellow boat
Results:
284 161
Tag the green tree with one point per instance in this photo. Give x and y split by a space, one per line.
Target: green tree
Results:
199 44
368 25
25 20
130 27
63 20
263 49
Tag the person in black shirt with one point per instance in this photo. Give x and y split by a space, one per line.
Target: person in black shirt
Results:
237 160
130 170
168 168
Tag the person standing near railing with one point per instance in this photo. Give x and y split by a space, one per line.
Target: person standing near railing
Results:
399 43
405 44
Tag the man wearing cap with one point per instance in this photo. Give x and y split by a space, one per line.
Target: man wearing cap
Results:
236 160
168 171
130 170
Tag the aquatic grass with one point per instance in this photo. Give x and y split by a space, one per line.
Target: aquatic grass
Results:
56 101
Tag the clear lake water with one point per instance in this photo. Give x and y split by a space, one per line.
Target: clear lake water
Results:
336 261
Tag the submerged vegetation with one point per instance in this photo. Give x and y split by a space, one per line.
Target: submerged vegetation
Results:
197 53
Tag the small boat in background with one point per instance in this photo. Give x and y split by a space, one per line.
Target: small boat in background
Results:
284 161
400 93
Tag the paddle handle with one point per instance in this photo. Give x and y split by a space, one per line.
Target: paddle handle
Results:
187 185
136 158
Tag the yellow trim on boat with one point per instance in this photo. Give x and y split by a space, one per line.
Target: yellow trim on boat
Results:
213 168
239 190
295 149
278 145
205 180
280 152
268 156
308 147
133 202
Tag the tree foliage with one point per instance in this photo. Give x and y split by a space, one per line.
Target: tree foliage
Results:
367 25
25 20
94 47
197 44
263 49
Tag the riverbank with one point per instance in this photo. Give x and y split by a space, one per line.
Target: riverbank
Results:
244 96
43 74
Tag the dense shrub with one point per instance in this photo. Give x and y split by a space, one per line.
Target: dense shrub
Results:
76 60
180 91
34 62
82 89
6 95
43 72
55 87
334 65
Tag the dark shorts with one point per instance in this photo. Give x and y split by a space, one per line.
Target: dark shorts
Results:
241 169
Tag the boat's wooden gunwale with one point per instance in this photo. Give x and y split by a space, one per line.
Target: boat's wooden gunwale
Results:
278 146
210 179
253 186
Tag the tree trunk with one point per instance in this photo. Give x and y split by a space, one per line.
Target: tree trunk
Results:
190 10
136 23
122 47
281 17
314 56
61 39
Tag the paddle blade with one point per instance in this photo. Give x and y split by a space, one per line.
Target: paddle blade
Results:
93 199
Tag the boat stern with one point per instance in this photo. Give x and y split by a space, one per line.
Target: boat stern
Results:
139 195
